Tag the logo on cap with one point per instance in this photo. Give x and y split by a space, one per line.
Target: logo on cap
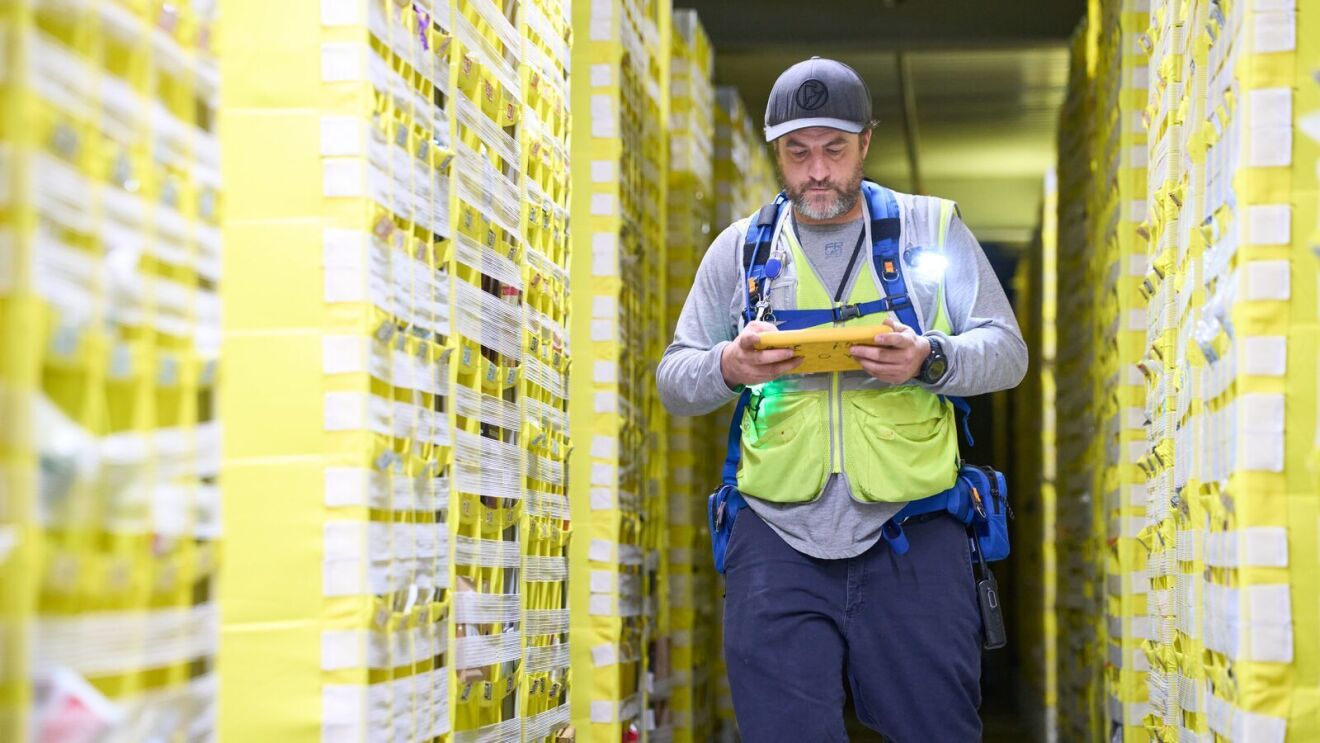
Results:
811 95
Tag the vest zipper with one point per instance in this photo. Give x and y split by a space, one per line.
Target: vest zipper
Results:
836 412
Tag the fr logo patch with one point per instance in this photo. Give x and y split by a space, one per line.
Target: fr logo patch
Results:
812 94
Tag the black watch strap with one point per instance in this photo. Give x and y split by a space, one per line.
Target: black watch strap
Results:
936 364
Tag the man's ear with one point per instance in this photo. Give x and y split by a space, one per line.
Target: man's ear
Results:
865 142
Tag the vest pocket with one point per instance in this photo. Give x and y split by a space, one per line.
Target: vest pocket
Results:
785 457
899 445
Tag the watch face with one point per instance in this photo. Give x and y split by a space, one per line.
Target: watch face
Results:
938 366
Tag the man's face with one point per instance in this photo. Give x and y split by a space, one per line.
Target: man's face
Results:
821 169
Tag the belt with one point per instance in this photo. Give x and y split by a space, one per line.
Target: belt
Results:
922 517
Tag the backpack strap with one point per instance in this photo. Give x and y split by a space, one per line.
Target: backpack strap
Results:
886 229
729 474
756 252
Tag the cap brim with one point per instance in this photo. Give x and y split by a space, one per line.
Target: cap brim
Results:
775 132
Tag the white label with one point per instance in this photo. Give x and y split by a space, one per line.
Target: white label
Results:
1275 31
605 254
605 372
601 551
604 171
1269 224
341 135
1265 356
604 447
606 402
341 13
602 20
1267 281
602 331
344 354
343 178
343 62
604 205
604 117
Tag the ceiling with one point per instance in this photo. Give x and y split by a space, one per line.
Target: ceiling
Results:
984 78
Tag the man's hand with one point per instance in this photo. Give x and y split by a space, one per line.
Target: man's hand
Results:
741 363
896 357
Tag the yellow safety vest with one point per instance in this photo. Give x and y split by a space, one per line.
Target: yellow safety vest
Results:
895 444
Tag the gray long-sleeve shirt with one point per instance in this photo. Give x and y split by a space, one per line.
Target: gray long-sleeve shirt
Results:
986 352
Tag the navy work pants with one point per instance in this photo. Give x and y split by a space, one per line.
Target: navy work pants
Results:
905 630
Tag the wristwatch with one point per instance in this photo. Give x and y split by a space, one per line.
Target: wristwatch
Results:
936 364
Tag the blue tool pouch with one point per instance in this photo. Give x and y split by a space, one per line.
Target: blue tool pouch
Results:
978 499
988 493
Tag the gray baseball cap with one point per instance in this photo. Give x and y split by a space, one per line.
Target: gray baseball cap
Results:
817 92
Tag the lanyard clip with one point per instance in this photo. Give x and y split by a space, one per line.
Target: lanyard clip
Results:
978 504
754 405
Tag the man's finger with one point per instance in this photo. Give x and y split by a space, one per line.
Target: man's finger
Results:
887 355
898 325
894 356
748 341
883 372
869 353
771 372
868 366
883 364
893 340
760 326
784 367
772 356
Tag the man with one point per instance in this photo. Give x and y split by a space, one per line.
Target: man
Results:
814 594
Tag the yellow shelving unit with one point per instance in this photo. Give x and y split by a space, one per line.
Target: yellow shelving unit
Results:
109 330
1187 460
1036 518
410 440
744 182
621 643
693 593
1102 585
547 35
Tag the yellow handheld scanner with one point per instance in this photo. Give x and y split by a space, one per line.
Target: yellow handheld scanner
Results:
824 349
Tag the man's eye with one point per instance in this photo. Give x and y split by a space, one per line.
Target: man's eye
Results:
835 152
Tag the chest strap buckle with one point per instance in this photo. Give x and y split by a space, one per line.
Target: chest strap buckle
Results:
847 312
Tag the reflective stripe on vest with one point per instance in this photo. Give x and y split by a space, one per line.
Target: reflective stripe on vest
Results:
895 444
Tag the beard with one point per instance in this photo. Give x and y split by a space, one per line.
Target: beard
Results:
840 201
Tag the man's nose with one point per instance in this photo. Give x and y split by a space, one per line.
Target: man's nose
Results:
817 169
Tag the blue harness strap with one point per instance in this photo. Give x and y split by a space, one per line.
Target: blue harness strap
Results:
760 235
729 475
724 504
